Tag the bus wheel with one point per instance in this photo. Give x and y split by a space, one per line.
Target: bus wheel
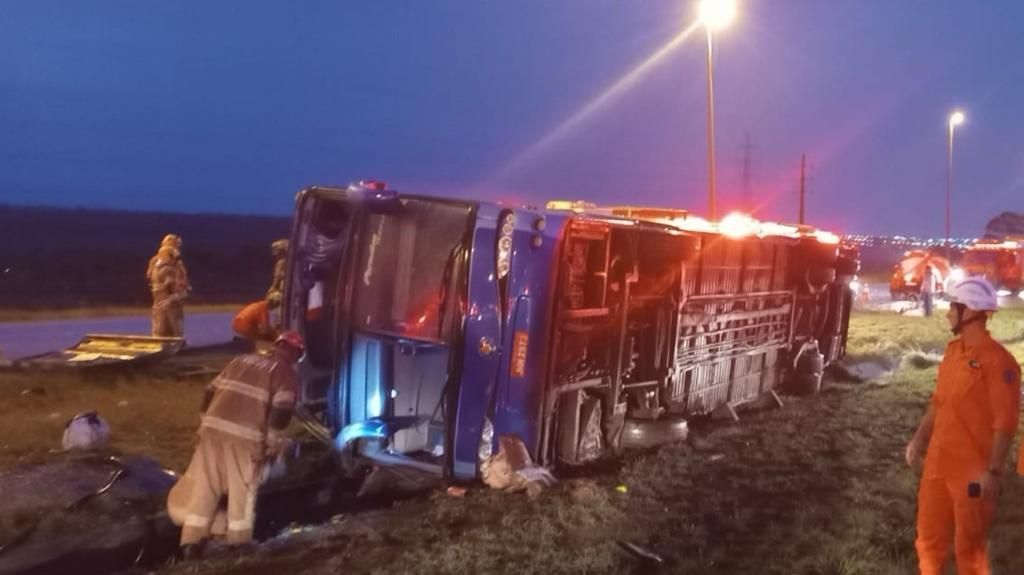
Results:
645 433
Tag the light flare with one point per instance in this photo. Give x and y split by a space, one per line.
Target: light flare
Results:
616 90
737 225
716 14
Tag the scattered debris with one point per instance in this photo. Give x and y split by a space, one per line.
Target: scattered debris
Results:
37 391
584 491
717 457
861 369
397 480
122 403
921 359
456 491
86 431
622 489
512 469
297 529
639 552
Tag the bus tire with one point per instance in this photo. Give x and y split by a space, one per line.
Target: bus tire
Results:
646 433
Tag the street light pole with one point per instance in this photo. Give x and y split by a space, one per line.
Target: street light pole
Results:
714 15
712 192
955 119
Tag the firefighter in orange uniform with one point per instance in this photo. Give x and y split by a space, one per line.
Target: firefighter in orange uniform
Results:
258 320
966 433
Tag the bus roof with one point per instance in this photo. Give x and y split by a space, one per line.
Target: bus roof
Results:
735 225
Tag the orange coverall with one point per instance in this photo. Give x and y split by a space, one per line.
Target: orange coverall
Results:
253 322
978 393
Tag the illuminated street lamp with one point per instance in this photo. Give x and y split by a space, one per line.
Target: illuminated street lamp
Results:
955 119
714 15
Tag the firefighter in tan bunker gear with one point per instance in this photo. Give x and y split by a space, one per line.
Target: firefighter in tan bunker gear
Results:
279 250
166 287
169 241
245 412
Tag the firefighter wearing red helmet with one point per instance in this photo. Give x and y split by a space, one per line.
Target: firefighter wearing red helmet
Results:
244 415
965 437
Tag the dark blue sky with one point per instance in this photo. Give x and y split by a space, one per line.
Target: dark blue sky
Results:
233 106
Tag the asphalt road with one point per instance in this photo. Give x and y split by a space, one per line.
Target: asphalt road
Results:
21 339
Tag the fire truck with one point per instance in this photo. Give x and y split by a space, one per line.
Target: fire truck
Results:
909 274
435 327
1000 261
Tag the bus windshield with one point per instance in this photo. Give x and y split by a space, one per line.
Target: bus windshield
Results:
404 268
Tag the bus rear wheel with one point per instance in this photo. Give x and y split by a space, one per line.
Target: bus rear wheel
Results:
646 433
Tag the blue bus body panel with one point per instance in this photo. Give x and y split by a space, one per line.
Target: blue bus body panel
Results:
531 288
482 322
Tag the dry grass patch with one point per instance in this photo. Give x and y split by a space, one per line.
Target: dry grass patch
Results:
149 416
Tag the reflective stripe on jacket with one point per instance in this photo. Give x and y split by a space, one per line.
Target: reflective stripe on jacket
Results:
244 395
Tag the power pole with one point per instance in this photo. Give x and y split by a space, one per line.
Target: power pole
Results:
803 185
748 203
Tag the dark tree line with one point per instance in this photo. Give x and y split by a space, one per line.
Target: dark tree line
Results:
58 258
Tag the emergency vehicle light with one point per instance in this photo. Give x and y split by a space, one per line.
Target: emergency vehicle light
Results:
371 189
774 229
569 205
737 225
826 237
373 185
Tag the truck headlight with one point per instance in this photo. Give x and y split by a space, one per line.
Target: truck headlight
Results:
484 451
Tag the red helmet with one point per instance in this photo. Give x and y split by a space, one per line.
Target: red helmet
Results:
292 338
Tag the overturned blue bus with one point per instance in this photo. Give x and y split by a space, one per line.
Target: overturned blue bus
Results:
436 326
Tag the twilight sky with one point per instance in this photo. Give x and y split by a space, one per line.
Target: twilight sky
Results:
235 105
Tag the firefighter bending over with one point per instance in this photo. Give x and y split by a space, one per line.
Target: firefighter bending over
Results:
967 431
245 412
259 321
168 295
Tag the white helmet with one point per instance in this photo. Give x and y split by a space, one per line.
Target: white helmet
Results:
976 293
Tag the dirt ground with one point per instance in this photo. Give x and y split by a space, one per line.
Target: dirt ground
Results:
817 487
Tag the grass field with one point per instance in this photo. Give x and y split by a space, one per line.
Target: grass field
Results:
818 487
157 417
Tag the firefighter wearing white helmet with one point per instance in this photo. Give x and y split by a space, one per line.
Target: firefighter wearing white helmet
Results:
965 436
976 293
